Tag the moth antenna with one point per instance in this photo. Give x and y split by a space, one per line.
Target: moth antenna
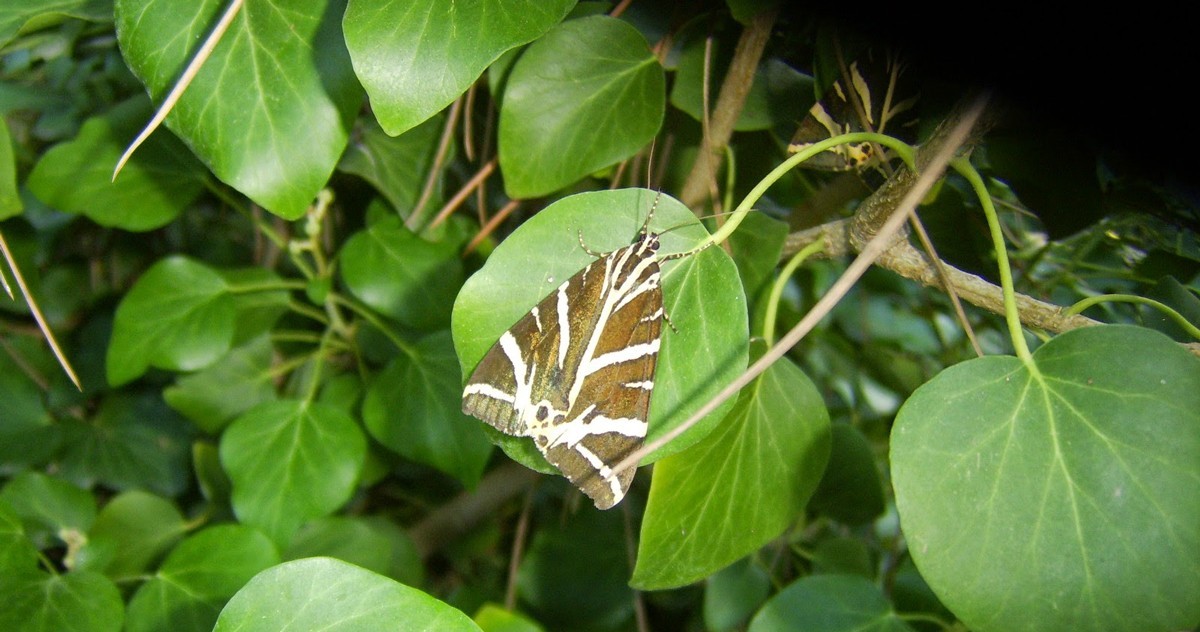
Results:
646 224
588 250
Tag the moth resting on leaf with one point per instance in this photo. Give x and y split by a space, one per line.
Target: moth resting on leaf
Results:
576 373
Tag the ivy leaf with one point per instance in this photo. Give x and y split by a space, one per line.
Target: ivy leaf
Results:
829 603
131 532
400 274
29 435
178 316
198 577
33 14
270 111
700 292
321 593
733 593
778 95
10 198
17 554
740 487
414 407
82 601
577 572
291 461
396 166
133 441
756 246
48 507
213 397
374 543
1073 477
154 187
414 58
850 490
587 95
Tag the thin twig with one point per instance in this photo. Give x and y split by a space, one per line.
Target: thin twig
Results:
491 225
435 168
457 199
37 314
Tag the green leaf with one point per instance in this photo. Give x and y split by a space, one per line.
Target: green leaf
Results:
133 441
18 557
49 508
10 198
701 293
778 94
414 58
1072 477
850 491
234 384
131 532
414 407
210 476
847 556
30 15
396 167
271 109
402 275
757 245
740 487
374 543
71 602
333 596
198 578
574 574
587 95
733 593
28 433
829 603
493 618
291 461
178 316
152 189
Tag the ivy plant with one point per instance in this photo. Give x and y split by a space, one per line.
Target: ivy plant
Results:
255 249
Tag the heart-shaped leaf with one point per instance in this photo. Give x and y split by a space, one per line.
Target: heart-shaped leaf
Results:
415 57
133 441
178 316
155 186
198 577
414 407
586 95
325 594
829 603
271 109
1059 494
291 461
80 602
740 487
402 275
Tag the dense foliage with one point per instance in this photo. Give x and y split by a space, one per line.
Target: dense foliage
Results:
231 380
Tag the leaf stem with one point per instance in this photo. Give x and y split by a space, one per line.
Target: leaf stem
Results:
1187 326
780 282
963 166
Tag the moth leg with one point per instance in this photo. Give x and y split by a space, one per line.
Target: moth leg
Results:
668 319
686 253
589 250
